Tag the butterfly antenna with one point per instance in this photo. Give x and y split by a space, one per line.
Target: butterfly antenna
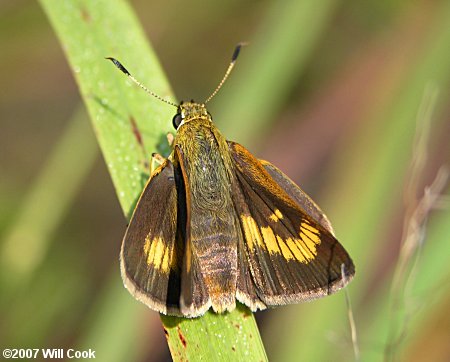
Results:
124 70
229 69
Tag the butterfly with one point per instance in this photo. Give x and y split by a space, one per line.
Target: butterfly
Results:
214 224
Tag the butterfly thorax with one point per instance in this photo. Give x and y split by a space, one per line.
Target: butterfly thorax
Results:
192 110
199 140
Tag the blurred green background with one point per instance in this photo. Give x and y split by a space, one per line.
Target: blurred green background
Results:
350 99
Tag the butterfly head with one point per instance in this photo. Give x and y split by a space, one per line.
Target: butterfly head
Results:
188 111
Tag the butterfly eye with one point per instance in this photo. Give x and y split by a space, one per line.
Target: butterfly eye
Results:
176 120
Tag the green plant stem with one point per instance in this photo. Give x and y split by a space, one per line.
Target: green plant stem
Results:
88 32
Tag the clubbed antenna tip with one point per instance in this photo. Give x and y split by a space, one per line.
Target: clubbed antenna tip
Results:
229 69
125 71
119 65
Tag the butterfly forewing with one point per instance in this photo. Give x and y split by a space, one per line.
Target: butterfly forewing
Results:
291 251
152 249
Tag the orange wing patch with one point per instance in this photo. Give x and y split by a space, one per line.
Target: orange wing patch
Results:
270 240
157 254
310 236
276 216
302 249
251 232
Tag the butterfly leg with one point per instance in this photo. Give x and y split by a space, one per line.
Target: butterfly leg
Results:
156 161
170 138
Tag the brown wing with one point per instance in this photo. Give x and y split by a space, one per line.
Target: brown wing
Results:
152 249
290 250
157 262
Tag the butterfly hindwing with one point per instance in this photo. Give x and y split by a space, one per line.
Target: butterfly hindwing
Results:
290 249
